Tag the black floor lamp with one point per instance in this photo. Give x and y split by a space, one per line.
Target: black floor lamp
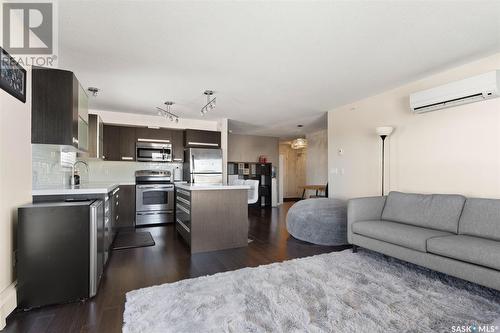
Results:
384 132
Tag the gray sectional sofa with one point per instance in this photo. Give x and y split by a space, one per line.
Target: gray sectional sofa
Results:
448 233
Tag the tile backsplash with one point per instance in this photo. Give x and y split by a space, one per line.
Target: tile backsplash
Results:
52 167
124 172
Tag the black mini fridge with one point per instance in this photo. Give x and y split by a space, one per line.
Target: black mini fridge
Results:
60 252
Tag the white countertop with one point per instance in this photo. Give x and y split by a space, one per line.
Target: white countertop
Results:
88 188
203 187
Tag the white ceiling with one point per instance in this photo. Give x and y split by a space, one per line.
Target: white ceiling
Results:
273 64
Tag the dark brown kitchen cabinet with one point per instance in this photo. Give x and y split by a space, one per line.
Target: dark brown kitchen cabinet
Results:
127 143
54 109
111 213
126 207
119 143
201 139
177 145
154 134
111 135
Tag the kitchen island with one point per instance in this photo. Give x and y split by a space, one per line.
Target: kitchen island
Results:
212 217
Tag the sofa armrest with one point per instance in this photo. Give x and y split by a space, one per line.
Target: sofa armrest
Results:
363 209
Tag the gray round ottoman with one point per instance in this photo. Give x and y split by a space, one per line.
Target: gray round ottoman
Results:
321 221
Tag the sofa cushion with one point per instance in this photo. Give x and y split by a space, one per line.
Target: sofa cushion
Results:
481 217
475 250
397 233
435 211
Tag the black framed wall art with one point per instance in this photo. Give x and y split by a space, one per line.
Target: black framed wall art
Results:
12 76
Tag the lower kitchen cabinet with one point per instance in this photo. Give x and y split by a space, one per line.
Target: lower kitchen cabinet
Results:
212 219
111 214
126 207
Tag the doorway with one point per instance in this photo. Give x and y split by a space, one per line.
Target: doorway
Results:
294 171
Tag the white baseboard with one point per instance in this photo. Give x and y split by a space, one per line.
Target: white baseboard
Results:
8 302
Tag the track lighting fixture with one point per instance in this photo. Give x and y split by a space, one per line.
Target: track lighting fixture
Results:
94 91
210 102
167 112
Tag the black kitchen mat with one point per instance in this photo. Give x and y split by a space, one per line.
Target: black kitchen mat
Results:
132 239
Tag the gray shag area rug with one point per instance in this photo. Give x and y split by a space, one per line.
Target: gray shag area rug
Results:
335 292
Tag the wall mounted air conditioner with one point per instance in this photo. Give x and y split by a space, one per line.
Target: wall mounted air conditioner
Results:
474 89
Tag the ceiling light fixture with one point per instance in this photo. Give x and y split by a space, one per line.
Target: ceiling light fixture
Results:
168 114
210 102
94 91
299 143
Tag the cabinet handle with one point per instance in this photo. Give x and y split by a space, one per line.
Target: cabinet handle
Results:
186 193
184 201
127 158
178 159
117 203
203 144
152 140
183 225
183 209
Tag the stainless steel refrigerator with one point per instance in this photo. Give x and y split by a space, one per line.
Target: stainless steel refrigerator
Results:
203 166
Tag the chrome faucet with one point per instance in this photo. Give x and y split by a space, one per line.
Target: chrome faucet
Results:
73 170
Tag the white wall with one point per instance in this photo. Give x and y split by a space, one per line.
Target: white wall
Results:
317 158
456 150
15 185
248 148
135 119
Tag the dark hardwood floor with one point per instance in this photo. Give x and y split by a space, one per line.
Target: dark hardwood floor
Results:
168 261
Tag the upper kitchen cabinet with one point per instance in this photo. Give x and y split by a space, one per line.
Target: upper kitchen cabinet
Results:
111 136
59 111
96 138
119 143
177 145
146 134
127 143
201 139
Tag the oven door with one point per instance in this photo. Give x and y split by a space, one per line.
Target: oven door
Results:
151 197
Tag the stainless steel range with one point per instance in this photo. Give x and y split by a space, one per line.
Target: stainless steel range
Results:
154 199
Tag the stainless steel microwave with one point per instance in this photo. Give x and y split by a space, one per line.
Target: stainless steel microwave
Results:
153 152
